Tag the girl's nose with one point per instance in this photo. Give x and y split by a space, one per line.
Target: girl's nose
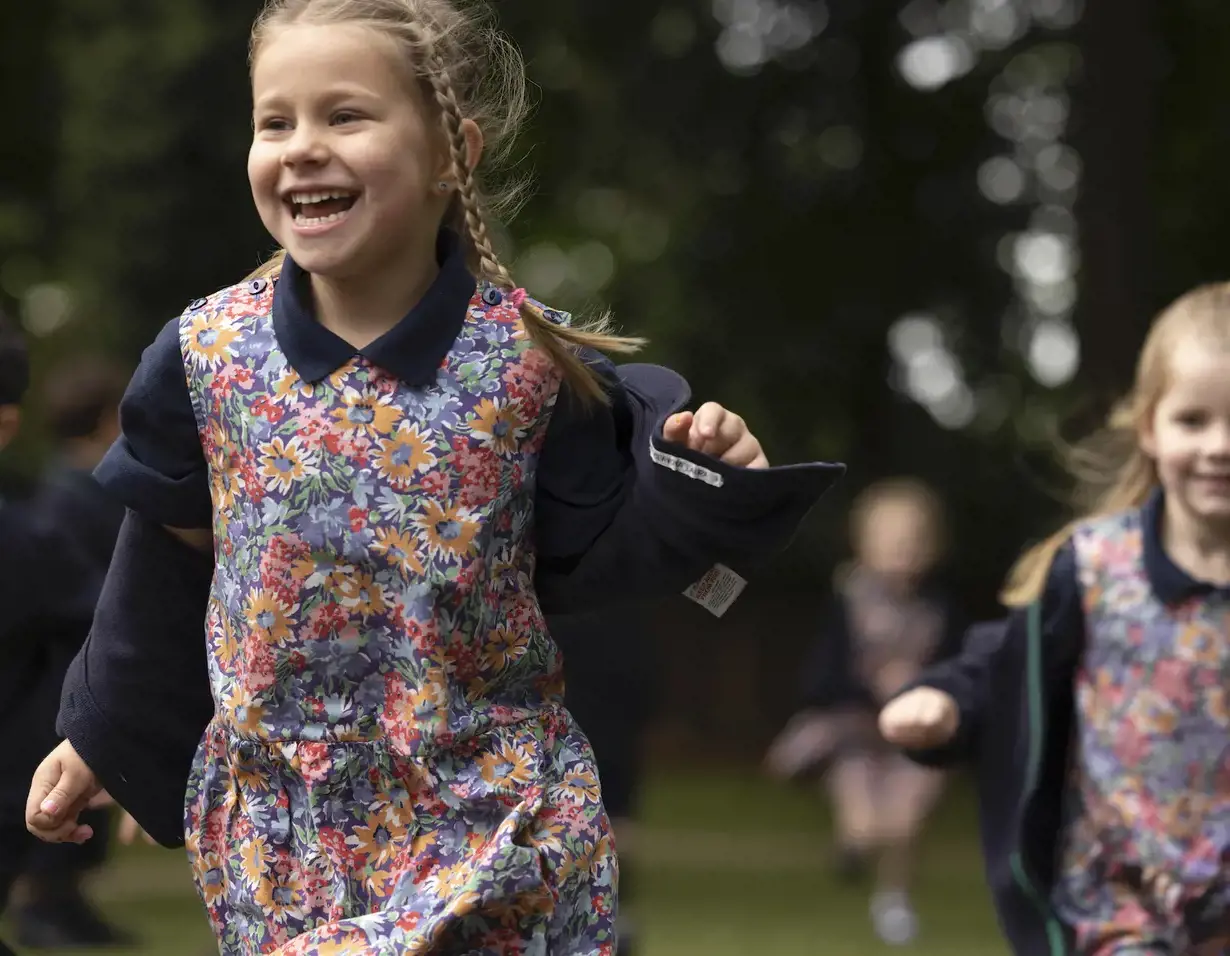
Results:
1217 442
305 146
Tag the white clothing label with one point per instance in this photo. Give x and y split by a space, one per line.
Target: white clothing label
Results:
684 467
717 590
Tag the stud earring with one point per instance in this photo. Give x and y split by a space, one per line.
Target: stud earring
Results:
443 186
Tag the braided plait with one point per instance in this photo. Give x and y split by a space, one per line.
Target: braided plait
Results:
560 342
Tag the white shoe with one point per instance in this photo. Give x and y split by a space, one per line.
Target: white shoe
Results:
894 918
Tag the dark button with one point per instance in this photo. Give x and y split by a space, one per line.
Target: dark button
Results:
246 750
492 295
257 286
197 304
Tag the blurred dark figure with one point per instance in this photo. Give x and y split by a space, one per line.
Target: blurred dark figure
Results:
16 534
76 527
889 619
609 690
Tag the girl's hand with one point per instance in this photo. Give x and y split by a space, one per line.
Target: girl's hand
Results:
892 677
714 430
920 719
63 786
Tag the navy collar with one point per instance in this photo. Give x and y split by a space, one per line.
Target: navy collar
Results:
1170 582
412 350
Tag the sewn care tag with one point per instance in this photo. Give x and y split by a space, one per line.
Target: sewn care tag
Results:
717 590
684 467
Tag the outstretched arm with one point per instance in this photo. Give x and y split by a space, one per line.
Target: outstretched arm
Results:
640 499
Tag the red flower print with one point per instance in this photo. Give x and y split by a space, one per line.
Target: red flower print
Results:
268 410
328 619
409 921
481 485
358 519
434 484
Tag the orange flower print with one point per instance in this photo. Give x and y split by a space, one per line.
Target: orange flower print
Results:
430 701
498 423
289 386
282 464
224 642
581 784
504 646
404 454
400 548
210 877
446 881
376 840
280 896
208 340
362 413
247 713
449 529
268 618
509 766
255 857
360 592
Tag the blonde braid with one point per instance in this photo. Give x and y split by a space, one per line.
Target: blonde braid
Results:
561 343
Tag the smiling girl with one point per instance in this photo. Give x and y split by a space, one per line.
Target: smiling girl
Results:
398 462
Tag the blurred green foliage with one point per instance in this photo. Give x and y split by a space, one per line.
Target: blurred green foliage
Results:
764 227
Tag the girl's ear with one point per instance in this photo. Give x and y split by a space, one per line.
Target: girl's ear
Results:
474 152
1146 436
474 143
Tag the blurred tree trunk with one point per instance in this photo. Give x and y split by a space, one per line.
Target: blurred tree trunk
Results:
1114 124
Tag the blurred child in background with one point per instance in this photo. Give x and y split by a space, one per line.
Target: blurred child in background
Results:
55 543
889 619
79 404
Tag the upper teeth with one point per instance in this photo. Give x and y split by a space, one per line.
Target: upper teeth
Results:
305 198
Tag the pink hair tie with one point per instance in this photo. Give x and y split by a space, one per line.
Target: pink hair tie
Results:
517 298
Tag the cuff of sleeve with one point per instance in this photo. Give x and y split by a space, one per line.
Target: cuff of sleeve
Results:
731 492
735 512
108 753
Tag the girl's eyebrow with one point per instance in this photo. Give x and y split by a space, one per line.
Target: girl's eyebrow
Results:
330 97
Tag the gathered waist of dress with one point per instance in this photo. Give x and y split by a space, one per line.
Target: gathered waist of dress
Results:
403 739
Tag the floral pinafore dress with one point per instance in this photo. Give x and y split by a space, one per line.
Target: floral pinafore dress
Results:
390 768
1145 855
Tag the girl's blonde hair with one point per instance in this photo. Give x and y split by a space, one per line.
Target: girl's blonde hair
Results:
468 71
1111 470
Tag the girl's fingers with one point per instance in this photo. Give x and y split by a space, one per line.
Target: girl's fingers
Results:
708 424
677 428
746 453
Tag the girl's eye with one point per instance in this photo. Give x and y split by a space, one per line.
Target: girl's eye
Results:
272 123
345 116
1191 419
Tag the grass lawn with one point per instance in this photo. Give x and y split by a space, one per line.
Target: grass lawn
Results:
724 865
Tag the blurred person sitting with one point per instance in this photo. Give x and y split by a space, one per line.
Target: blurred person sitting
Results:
889 620
77 527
